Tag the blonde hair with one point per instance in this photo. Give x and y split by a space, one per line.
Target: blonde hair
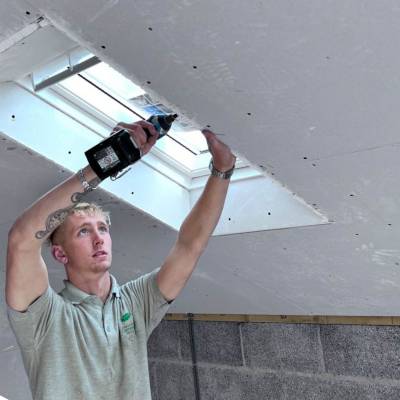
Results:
81 209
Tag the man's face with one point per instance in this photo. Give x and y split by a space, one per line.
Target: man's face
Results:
87 243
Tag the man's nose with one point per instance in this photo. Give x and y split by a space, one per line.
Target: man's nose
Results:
98 239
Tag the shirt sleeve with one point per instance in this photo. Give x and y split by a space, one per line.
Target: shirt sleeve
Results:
146 294
32 325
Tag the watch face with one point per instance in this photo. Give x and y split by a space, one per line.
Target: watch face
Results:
106 158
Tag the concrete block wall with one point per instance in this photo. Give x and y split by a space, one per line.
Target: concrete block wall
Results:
255 361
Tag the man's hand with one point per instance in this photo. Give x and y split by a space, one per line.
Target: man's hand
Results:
137 131
223 159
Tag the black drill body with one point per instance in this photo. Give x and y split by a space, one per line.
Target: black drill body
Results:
116 152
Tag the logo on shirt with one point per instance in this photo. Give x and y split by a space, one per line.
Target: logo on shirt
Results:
125 317
128 325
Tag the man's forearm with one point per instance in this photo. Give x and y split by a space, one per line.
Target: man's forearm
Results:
48 212
203 218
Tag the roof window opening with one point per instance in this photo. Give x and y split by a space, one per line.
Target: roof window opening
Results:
87 98
120 99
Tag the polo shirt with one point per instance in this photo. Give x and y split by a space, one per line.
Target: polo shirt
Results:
76 347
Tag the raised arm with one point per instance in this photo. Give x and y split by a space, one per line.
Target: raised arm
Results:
199 224
26 272
27 276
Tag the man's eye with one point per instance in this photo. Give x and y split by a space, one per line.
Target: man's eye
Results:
83 231
103 229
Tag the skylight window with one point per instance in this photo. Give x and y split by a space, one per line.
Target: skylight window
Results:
118 86
102 102
119 99
103 75
85 100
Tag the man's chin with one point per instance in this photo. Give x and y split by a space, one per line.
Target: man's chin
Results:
101 267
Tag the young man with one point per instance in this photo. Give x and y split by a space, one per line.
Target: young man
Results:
89 341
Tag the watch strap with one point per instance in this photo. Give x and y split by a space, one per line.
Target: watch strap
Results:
219 174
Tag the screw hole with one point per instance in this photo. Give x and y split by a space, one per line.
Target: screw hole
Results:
28 13
305 158
103 47
148 82
69 152
150 28
13 116
249 113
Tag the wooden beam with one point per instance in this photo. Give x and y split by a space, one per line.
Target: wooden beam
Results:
291 319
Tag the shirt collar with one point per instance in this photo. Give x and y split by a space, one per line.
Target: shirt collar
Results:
77 296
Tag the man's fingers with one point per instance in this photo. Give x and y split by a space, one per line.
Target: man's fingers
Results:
212 141
117 128
121 125
149 144
210 137
138 134
144 134
149 127
134 128
152 140
150 136
208 134
223 158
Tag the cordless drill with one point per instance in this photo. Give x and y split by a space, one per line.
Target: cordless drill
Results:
116 152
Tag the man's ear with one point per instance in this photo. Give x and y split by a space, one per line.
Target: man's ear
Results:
58 253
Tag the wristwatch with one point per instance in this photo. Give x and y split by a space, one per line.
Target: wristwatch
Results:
220 174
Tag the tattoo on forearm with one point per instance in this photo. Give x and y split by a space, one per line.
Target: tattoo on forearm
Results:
76 198
55 219
94 183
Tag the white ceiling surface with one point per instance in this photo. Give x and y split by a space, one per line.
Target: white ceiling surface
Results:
321 81
20 49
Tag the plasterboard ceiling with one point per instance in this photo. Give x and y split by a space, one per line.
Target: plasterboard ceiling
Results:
307 90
